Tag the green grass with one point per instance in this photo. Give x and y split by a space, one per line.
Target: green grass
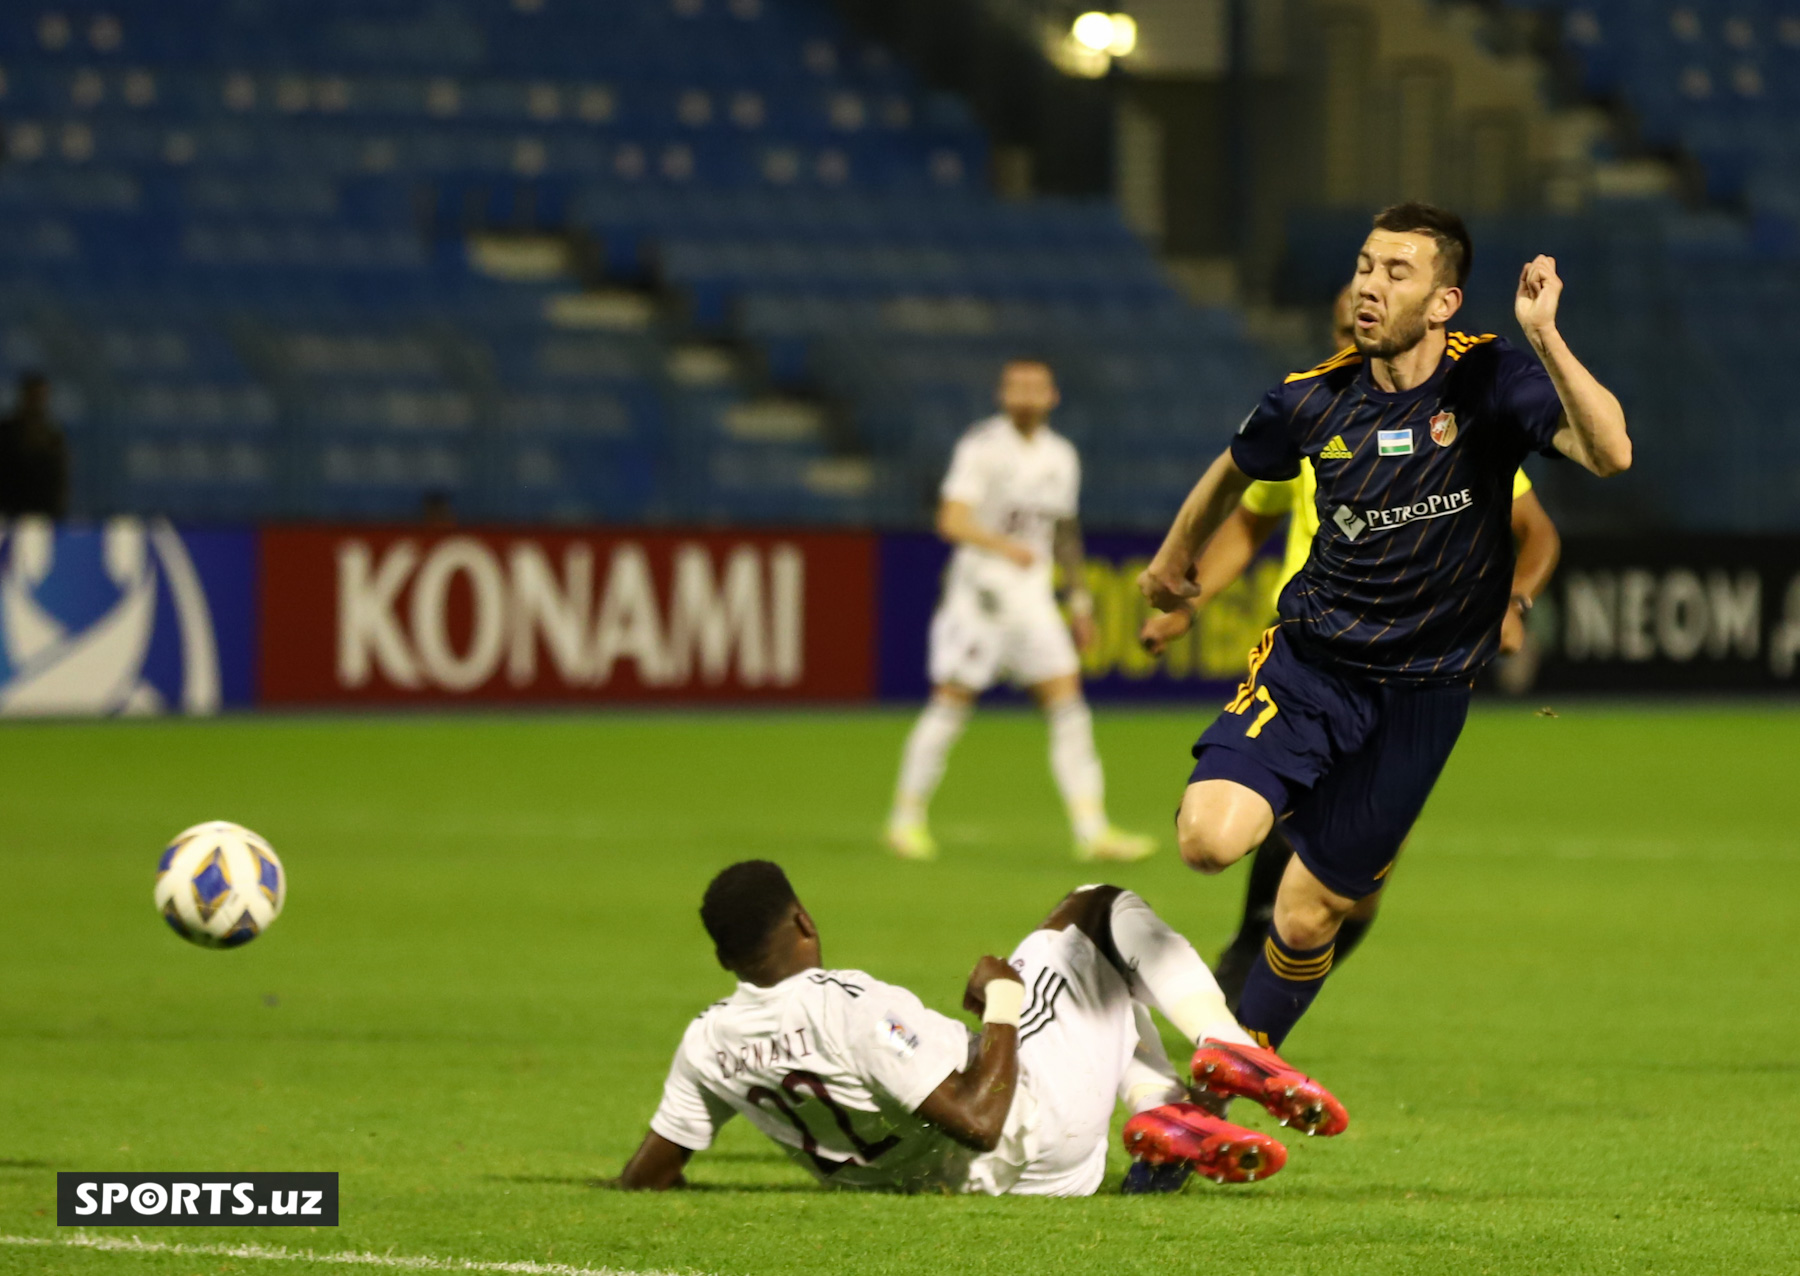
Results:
1570 1045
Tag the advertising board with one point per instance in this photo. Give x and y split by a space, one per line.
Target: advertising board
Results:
401 615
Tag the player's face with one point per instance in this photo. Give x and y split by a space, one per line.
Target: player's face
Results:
1028 391
1396 293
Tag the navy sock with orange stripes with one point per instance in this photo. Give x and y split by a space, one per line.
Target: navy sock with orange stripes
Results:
1282 984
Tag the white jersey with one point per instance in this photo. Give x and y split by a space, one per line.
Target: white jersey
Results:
997 619
1017 486
833 1065
830 1064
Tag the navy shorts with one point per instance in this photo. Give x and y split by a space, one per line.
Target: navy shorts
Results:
1350 762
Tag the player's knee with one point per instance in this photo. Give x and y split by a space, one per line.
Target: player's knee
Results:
1087 908
1207 848
953 695
1220 822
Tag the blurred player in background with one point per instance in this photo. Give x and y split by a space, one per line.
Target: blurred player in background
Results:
1356 697
864 1086
1265 507
1008 504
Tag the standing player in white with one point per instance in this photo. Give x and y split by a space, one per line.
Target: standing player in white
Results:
1008 505
864 1087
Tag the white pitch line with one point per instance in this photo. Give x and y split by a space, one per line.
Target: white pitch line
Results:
348 1258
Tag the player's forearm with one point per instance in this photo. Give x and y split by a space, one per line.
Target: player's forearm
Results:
656 1166
1071 559
971 1106
1593 413
1229 551
1540 547
1205 508
957 524
987 1089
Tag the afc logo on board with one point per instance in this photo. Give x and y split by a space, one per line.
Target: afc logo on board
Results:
103 620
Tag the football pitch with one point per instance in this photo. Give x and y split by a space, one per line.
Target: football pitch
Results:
1569 1045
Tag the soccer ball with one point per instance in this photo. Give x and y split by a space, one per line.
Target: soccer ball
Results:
219 885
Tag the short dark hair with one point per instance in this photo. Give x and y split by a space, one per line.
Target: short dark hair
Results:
742 907
1456 252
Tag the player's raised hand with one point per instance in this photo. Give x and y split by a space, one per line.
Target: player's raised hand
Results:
1540 289
1164 628
986 971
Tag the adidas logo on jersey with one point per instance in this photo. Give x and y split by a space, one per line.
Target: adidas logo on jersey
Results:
1335 450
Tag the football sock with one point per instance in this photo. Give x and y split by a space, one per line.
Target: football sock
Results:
1076 766
1282 984
1167 973
1149 1080
927 749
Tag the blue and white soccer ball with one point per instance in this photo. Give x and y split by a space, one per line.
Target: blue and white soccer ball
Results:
219 885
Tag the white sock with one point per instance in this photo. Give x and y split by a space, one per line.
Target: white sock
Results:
1149 1080
1077 767
1168 974
922 763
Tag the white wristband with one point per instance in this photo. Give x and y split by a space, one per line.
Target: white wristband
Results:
1005 998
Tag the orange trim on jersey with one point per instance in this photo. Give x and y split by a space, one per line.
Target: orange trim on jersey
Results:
1461 343
1342 359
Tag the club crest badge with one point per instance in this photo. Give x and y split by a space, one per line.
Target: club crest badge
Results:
1443 429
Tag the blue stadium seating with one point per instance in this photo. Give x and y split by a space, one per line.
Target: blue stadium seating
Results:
1688 311
237 234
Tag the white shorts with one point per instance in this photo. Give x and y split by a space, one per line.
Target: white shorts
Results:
980 635
1078 1033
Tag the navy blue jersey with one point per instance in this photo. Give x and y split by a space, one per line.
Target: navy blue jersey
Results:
1411 570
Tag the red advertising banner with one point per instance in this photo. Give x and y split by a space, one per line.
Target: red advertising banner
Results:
403 615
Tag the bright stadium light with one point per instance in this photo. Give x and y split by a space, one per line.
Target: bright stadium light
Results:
1094 31
1124 35
1092 42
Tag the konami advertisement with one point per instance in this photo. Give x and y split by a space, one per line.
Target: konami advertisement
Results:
390 616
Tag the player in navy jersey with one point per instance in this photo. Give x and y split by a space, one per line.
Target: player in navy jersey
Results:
1356 696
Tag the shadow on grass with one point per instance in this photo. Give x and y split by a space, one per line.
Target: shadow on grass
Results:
612 1184
7 1163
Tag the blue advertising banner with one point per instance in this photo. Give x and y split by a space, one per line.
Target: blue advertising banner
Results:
1205 665
126 617
909 570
